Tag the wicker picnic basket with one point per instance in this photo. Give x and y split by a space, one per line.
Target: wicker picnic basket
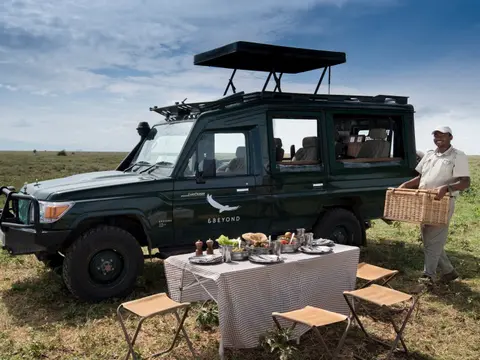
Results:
416 206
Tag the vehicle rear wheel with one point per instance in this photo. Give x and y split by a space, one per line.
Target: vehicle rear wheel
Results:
103 263
341 226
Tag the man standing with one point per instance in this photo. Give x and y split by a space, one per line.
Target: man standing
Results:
445 170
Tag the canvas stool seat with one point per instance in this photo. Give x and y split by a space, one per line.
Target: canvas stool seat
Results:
147 307
373 274
314 318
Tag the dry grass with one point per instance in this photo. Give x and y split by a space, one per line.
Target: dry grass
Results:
39 320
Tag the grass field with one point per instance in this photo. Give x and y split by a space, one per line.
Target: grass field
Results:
39 319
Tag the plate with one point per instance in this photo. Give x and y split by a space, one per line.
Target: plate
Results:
206 259
323 242
316 249
265 259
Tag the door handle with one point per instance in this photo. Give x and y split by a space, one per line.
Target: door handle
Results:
242 190
318 185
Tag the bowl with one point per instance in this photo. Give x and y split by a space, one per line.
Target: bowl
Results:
290 248
259 250
240 255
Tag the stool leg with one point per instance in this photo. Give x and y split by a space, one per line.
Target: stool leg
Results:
292 327
317 332
179 328
130 343
189 343
350 305
342 340
386 280
402 328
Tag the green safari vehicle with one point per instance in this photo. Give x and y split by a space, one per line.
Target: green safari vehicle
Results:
268 161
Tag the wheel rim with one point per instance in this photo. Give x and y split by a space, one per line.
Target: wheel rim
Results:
106 266
340 235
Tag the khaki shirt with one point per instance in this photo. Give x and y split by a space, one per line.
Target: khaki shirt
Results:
437 169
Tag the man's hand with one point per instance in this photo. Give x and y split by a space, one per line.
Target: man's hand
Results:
411 184
441 191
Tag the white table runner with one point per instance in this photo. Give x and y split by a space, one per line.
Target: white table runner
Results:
248 293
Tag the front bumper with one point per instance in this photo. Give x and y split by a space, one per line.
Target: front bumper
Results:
19 238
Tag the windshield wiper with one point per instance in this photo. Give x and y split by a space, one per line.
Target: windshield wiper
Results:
140 163
160 163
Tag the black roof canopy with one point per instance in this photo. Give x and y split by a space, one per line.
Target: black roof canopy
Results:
242 55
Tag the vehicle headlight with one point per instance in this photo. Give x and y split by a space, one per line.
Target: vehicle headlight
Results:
51 211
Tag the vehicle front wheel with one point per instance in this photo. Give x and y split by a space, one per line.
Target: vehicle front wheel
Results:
341 226
103 263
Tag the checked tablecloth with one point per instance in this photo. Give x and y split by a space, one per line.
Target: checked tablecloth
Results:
248 293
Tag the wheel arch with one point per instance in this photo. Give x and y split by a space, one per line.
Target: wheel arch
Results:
133 223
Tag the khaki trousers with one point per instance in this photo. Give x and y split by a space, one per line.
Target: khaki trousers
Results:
434 240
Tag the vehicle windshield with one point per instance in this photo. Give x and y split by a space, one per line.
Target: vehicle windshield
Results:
162 147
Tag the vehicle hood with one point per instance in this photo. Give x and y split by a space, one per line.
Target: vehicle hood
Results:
107 182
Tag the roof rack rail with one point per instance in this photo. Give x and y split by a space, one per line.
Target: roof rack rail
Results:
378 99
184 111
242 55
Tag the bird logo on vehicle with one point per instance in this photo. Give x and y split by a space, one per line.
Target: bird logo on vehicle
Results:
221 208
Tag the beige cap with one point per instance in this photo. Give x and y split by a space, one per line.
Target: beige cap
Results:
443 129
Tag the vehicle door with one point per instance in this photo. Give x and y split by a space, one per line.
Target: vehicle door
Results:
215 192
298 176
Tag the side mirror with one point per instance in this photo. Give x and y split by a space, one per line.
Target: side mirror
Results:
208 170
143 129
199 177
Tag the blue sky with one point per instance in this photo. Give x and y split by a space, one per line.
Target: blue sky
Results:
81 74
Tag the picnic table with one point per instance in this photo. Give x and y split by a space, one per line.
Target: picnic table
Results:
248 293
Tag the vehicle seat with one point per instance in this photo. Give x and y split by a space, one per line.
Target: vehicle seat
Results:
279 151
308 151
377 147
237 165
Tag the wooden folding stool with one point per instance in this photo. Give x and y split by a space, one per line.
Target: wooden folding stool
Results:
314 318
375 274
382 297
147 307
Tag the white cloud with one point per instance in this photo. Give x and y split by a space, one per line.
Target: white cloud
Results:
55 55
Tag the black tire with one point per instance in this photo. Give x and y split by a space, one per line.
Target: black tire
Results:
52 261
341 226
103 263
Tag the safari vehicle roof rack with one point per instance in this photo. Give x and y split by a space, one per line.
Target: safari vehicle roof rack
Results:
243 55
184 111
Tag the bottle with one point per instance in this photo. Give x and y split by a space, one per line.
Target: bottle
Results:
199 245
209 247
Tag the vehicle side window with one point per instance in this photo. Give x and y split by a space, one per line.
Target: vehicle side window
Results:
296 144
367 140
219 154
